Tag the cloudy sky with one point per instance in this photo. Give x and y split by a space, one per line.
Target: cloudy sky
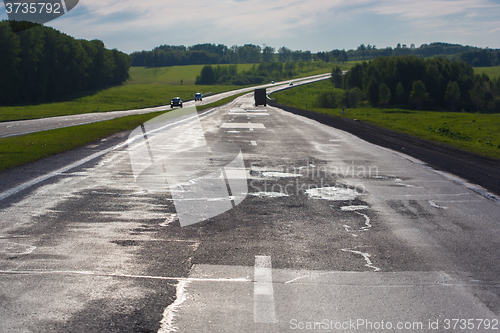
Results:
315 25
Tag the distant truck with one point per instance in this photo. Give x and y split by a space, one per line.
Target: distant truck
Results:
260 97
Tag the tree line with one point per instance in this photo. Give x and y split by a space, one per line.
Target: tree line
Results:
258 74
170 55
411 81
42 64
481 58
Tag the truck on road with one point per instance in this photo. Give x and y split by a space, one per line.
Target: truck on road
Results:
260 97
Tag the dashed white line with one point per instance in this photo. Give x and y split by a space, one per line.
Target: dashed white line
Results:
263 305
242 125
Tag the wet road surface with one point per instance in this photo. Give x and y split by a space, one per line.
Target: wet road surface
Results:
335 234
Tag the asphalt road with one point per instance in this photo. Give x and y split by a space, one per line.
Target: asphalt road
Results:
335 234
20 127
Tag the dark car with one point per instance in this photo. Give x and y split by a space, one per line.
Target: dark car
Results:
198 97
176 102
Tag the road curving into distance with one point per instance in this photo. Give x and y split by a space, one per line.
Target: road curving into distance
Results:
20 127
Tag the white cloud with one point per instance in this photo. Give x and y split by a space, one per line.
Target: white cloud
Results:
431 8
313 24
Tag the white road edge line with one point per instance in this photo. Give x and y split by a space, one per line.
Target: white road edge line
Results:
37 180
263 296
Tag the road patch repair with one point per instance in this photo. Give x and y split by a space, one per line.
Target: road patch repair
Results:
320 300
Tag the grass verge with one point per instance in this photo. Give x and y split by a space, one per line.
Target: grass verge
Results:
18 150
473 132
123 97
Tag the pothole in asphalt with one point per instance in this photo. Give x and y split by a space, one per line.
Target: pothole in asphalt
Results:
334 193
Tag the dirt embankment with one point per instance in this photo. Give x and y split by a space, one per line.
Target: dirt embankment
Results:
479 170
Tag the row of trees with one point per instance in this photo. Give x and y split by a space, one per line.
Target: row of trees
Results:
44 65
481 58
261 73
413 81
169 55
425 50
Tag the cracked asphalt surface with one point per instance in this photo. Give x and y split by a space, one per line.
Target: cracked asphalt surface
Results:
334 230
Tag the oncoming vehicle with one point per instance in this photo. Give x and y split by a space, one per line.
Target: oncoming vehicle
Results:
176 101
198 97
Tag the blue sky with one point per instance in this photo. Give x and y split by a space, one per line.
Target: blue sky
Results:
315 25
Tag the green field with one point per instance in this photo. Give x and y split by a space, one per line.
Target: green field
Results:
147 87
492 72
170 75
474 132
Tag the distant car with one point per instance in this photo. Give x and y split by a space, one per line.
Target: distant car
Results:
176 101
198 97
290 84
272 82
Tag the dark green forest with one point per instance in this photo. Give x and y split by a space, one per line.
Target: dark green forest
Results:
42 64
415 82
258 74
169 55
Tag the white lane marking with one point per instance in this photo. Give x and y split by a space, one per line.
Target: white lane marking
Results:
433 204
118 275
112 193
366 256
242 125
280 174
263 194
263 296
253 143
248 114
352 208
